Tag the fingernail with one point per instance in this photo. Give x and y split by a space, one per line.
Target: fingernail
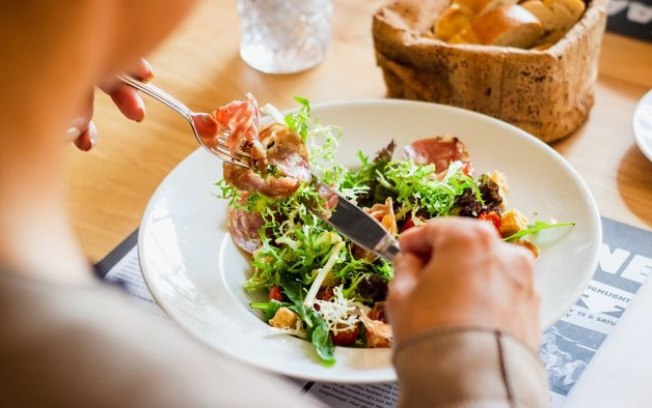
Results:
92 132
73 132
141 108
149 68
403 284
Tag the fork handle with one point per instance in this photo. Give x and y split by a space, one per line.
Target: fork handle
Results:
168 100
158 94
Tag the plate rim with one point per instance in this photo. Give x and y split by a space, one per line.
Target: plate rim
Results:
646 99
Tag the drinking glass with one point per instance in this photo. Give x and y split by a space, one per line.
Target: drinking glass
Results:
284 36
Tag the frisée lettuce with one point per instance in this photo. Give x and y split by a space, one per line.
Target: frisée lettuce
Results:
320 285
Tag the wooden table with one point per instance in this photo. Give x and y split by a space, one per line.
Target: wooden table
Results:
110 186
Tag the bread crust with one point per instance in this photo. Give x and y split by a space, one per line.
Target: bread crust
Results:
548 93
511 25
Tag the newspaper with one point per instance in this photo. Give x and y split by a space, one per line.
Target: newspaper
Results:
127 273
625 261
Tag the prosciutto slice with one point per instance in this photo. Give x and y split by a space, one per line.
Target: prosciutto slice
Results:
384 214
279 156
377 333
287 165
240 121
286 152
440 151
244 227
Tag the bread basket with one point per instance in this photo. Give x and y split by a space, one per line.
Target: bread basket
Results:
548 93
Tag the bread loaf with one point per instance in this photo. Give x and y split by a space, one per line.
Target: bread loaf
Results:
505 23
477 7
545 15
509 26
556 17
454 20
461 13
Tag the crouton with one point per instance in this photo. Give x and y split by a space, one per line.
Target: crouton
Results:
284 319
500 179
511 222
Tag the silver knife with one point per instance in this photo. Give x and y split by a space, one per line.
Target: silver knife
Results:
357 225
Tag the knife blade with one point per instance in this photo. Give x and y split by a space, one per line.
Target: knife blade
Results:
357 225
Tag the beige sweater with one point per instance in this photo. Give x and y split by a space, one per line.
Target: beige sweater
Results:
88 346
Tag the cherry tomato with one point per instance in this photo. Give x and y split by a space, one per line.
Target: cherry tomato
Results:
346 337
468 168
492 217
325 294
275 293
410 223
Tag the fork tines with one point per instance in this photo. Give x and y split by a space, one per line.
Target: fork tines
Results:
239 158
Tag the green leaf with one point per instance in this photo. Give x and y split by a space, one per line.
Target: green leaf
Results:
321 339
228 192
316 328
416 187
269 309
300 121
536 227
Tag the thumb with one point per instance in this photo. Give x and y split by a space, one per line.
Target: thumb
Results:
407 268
81 130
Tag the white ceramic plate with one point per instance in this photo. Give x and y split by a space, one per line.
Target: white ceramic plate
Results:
196 273
643 125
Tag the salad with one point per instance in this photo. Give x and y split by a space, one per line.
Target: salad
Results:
319 285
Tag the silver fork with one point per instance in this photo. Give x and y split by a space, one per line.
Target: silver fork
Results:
216 145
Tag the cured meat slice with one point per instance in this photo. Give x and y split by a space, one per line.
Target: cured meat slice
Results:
384 214
280 159
377 333
287 165
244 227
248 180
240 120
440 151
286 152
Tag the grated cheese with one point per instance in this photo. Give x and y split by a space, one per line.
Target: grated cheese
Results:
339 313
